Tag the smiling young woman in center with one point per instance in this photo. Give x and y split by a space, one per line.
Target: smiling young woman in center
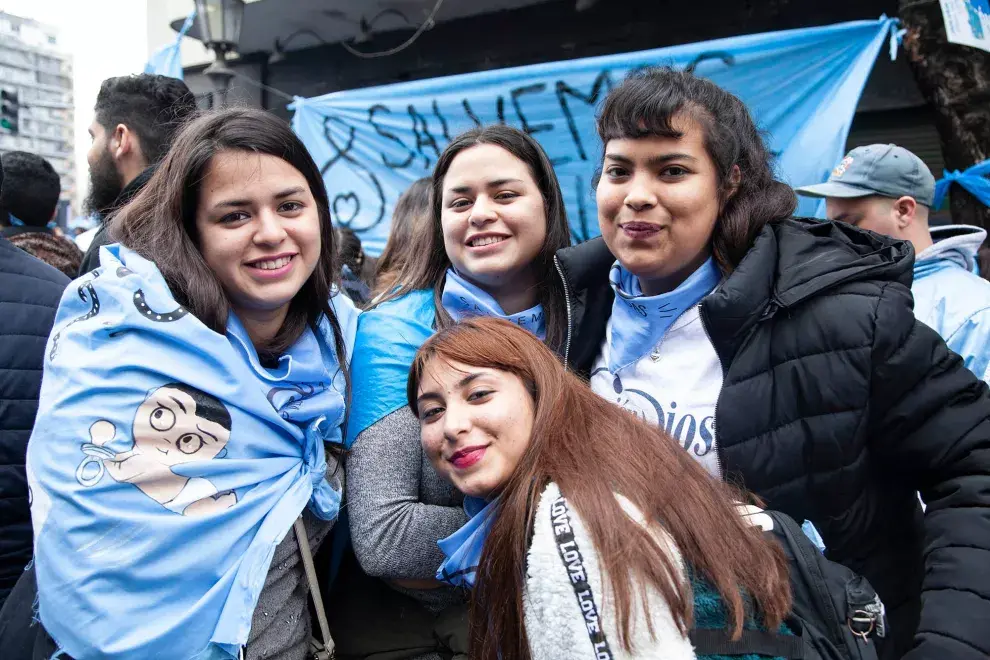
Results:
497 219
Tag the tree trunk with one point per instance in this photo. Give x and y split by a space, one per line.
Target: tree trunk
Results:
955 80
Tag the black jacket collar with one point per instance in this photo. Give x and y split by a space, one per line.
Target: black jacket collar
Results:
91 259
790 261
586 264
133 188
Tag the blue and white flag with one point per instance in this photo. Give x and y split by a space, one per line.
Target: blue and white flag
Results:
371 144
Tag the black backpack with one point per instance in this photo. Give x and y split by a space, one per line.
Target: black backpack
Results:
836 614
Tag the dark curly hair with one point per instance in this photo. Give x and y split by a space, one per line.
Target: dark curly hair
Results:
56 251
646 104
152 106
32 190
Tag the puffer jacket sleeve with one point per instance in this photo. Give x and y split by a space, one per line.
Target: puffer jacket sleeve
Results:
930 429
29 295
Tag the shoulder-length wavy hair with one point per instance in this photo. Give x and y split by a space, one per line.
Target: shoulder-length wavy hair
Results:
410 225
646 104
428 270
160 222
594 450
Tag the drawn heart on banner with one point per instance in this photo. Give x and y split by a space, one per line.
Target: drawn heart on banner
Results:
362 206
349 202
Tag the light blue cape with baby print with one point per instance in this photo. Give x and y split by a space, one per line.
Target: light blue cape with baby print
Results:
166 464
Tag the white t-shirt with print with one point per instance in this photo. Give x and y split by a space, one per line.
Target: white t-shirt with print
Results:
675 386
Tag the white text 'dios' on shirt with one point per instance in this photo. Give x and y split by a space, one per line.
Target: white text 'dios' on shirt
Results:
674 386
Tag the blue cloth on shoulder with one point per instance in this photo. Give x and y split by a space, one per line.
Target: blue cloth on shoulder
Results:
463 547
167 464
388 337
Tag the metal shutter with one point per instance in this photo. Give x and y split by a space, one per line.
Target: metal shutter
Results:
912 129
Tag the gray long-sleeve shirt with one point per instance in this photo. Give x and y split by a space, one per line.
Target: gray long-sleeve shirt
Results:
281 626
399 507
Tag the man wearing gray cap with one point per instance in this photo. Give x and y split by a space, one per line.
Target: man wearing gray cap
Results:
889 190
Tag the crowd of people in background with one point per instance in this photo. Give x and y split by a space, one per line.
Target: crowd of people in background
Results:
233 433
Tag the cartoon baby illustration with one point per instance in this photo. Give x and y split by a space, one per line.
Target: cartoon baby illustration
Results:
175 424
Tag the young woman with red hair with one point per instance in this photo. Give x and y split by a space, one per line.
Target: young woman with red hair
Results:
586 519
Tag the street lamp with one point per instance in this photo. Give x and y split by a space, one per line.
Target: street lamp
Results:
220 29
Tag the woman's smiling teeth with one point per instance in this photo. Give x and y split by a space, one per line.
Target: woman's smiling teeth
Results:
272 264
486 240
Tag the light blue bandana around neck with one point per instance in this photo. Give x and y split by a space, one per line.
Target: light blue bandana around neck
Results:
166 465
463 300
463 547
639 322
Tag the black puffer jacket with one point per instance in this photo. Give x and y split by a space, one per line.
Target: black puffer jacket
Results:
836 407
29 295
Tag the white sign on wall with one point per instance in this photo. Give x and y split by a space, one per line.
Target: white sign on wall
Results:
967 22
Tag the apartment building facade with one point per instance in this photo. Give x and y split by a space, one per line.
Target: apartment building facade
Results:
34 67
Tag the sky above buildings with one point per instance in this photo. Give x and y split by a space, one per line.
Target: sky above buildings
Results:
105 38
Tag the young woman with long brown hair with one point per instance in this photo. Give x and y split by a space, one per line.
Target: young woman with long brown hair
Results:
591 517
409 231
497 218
195 388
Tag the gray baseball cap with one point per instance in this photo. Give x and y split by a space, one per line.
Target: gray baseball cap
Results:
878 169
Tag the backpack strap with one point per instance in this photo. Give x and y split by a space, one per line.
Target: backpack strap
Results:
808 558
716 641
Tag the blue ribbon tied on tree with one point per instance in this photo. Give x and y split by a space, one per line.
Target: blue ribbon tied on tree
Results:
973 179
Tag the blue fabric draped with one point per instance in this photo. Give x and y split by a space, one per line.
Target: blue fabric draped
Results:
802 87
386 343
17 222
166 464
167 61
639 322
463 548
974 179
462 300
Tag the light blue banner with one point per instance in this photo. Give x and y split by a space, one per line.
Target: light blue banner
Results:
801 85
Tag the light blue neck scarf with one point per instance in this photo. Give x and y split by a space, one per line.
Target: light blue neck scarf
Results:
463 300
639 322
165 466
463 547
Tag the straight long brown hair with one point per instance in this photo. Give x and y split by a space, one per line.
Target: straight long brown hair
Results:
594 450
160 222
427 270
410 225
